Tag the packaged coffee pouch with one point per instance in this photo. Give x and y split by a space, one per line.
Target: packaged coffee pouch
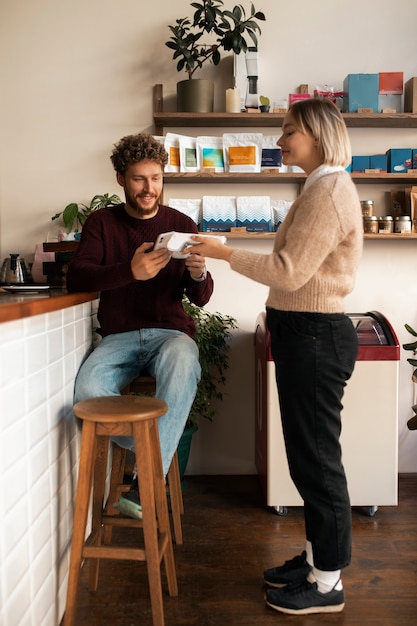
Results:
271 153
172 146
188 206
242 152
210 153
188 154
254 213
219 213
279 209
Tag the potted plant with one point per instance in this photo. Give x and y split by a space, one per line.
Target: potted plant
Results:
212 338
412 422
265 103
75 214
228 30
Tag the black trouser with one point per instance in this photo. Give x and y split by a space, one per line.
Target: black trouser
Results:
314 355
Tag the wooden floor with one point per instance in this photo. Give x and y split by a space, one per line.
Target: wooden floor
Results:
230 537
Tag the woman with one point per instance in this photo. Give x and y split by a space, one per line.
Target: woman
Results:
314 345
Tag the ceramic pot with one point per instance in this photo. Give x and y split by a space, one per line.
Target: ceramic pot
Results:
195 95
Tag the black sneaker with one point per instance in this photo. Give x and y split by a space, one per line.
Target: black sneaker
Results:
304 599
293 571
129 503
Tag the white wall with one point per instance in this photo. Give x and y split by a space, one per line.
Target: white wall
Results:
76 76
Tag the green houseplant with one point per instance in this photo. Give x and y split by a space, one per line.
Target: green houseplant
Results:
212 337
226 29
75 214
412 346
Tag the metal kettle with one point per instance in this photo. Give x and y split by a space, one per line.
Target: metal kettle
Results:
14 271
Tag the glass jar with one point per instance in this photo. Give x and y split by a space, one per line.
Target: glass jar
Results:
402 224
367 208
386 224
370 225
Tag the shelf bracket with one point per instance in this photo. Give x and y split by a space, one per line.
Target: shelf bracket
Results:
158 105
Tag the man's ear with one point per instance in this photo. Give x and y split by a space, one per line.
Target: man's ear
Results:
120 179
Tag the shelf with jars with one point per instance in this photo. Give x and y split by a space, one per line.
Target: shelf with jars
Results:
274 120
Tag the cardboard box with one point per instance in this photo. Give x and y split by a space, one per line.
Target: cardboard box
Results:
390 103
400 202
399 160
360 163
293 97
361 92
410 95
391 82
378 162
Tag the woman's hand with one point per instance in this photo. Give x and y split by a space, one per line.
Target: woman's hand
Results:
209 247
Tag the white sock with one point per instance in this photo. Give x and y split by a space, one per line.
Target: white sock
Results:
326 581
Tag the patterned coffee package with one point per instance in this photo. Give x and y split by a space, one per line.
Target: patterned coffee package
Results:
271 153
279 210
242 152
172 146
188 206
254 213
219 213
210 153
188 154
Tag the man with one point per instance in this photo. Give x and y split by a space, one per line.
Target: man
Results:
142 321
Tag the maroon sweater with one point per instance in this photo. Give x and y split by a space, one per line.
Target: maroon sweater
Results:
109 239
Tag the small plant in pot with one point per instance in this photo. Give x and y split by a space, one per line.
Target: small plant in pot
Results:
75 214
228 31
265 104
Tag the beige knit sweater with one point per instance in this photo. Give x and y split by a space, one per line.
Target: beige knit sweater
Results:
316 250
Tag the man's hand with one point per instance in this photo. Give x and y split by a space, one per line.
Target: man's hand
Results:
146 265
196 264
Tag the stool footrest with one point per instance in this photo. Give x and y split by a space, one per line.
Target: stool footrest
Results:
119 552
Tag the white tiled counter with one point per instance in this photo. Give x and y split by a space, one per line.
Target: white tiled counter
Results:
40 353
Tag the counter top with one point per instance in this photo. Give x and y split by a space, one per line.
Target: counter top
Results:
14 306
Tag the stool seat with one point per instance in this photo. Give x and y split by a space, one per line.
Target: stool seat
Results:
112 416
131 408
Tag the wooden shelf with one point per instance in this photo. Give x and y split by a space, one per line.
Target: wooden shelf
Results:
254 236
274 120
268 177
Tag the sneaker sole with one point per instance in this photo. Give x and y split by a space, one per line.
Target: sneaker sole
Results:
333 608
128 508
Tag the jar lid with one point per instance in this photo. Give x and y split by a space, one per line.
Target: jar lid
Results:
367 201
388 218
403 218
370 217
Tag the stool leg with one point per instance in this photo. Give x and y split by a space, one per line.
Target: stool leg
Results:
175 496
116 479
146 466
100 470
82 500
162 509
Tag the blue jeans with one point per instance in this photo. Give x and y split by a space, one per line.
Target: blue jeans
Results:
314 355
168 355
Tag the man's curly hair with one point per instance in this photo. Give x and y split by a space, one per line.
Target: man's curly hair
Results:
134 148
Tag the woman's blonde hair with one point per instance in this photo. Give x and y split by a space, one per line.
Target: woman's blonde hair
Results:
322 119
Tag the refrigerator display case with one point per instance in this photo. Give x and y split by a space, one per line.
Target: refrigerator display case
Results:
369 419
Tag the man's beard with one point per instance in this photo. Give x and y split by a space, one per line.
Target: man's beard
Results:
134 204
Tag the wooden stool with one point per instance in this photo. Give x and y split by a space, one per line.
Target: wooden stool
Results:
127 416
140 385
